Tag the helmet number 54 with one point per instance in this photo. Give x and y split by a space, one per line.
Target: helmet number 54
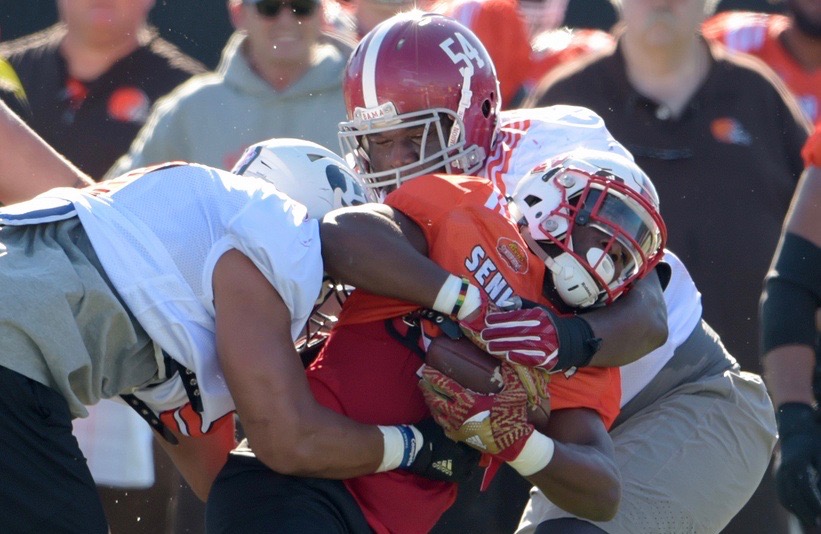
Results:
467 56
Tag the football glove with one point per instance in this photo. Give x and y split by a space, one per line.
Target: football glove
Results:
797 478
495 424
535 336
441 458
525 337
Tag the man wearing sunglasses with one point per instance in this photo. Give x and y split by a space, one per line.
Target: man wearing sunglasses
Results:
279 76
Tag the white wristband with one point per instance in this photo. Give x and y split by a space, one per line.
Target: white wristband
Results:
457 297
400 444
448 295
535 455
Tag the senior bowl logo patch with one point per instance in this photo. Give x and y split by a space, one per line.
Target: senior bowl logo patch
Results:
513 253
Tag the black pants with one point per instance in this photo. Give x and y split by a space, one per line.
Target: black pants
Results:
248 497
45 484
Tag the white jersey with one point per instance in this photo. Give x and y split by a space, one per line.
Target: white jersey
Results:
683 302
158 237
527 138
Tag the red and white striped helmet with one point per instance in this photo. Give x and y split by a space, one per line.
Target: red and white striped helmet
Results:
603 190
413 70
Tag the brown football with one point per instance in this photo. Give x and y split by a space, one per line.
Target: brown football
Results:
475 369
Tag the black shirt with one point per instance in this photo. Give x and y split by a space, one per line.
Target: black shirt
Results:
92 122
725 170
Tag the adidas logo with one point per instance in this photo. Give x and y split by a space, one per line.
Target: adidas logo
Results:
445 466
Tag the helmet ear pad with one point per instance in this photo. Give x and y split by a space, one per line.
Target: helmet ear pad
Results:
575 284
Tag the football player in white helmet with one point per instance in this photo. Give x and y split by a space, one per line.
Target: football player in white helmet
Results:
180 288
320 180
593 217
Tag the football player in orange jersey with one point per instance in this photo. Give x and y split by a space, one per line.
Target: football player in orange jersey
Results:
421 95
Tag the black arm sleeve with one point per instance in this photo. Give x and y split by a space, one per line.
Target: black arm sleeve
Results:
792 294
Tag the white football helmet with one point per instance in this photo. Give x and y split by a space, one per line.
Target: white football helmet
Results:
606 191
305 171
320 180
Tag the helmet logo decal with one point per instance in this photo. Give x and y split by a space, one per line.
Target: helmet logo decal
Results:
467 56
384 112
346 191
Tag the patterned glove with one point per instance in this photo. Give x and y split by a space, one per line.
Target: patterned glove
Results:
441 458
797 478
495 424
535 382
527 337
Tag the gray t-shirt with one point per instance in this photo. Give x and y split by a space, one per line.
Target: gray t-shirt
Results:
61 324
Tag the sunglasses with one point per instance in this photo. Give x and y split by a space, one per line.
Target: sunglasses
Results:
300 8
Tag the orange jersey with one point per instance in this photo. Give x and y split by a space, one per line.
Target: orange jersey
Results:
464 220
367 374
466 236
759 34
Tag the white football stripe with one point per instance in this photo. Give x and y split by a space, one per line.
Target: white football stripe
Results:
369 66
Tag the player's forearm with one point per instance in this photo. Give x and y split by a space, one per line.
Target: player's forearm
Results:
581 480
379 250
788 371
803 218
29 165
315 442
632 326
582 477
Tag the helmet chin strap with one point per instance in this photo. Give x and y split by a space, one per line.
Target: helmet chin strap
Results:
575 285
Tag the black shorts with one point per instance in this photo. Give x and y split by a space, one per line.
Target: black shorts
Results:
248 497
45 484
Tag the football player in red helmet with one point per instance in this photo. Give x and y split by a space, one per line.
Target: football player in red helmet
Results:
523 139
401 126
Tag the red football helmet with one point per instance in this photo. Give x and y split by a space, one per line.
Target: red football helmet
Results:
413 70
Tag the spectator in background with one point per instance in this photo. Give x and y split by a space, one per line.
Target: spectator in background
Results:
721 136
790 344
541 15
86 84
501 28
357 17
555 47
790 44
280 76
552 44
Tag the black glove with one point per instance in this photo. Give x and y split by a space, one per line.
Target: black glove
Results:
441 458
797 476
